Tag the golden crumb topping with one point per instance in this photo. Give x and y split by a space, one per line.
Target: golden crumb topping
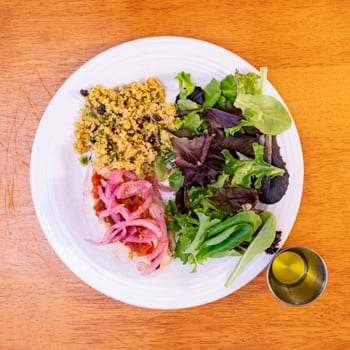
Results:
125 128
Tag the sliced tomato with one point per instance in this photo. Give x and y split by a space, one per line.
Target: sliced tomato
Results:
96 184
141 249
133 203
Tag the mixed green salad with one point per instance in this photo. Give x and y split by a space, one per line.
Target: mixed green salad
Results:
225 161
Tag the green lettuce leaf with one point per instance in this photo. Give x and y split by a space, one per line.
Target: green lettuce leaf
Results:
264 112
212 93
186 86
249 83
192 122
229 87
176 179
245 173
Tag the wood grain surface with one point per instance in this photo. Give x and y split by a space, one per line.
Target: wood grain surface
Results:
306 46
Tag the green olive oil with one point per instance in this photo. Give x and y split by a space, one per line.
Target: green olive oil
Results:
289 267
297 276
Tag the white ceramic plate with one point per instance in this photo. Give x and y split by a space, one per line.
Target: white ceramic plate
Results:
57 178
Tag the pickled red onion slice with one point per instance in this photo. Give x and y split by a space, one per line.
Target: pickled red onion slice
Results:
135 207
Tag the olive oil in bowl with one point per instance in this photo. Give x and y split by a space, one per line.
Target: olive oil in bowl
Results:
297 275
289 267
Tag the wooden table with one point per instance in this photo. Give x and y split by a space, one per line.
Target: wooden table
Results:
307 49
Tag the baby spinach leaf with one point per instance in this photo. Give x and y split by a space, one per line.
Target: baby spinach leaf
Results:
212 93
262 241
225 241
231 231
245 216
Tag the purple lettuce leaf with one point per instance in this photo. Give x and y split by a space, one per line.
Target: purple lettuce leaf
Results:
274 189
222 118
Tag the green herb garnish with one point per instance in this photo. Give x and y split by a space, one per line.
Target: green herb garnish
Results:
115 156
84 160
